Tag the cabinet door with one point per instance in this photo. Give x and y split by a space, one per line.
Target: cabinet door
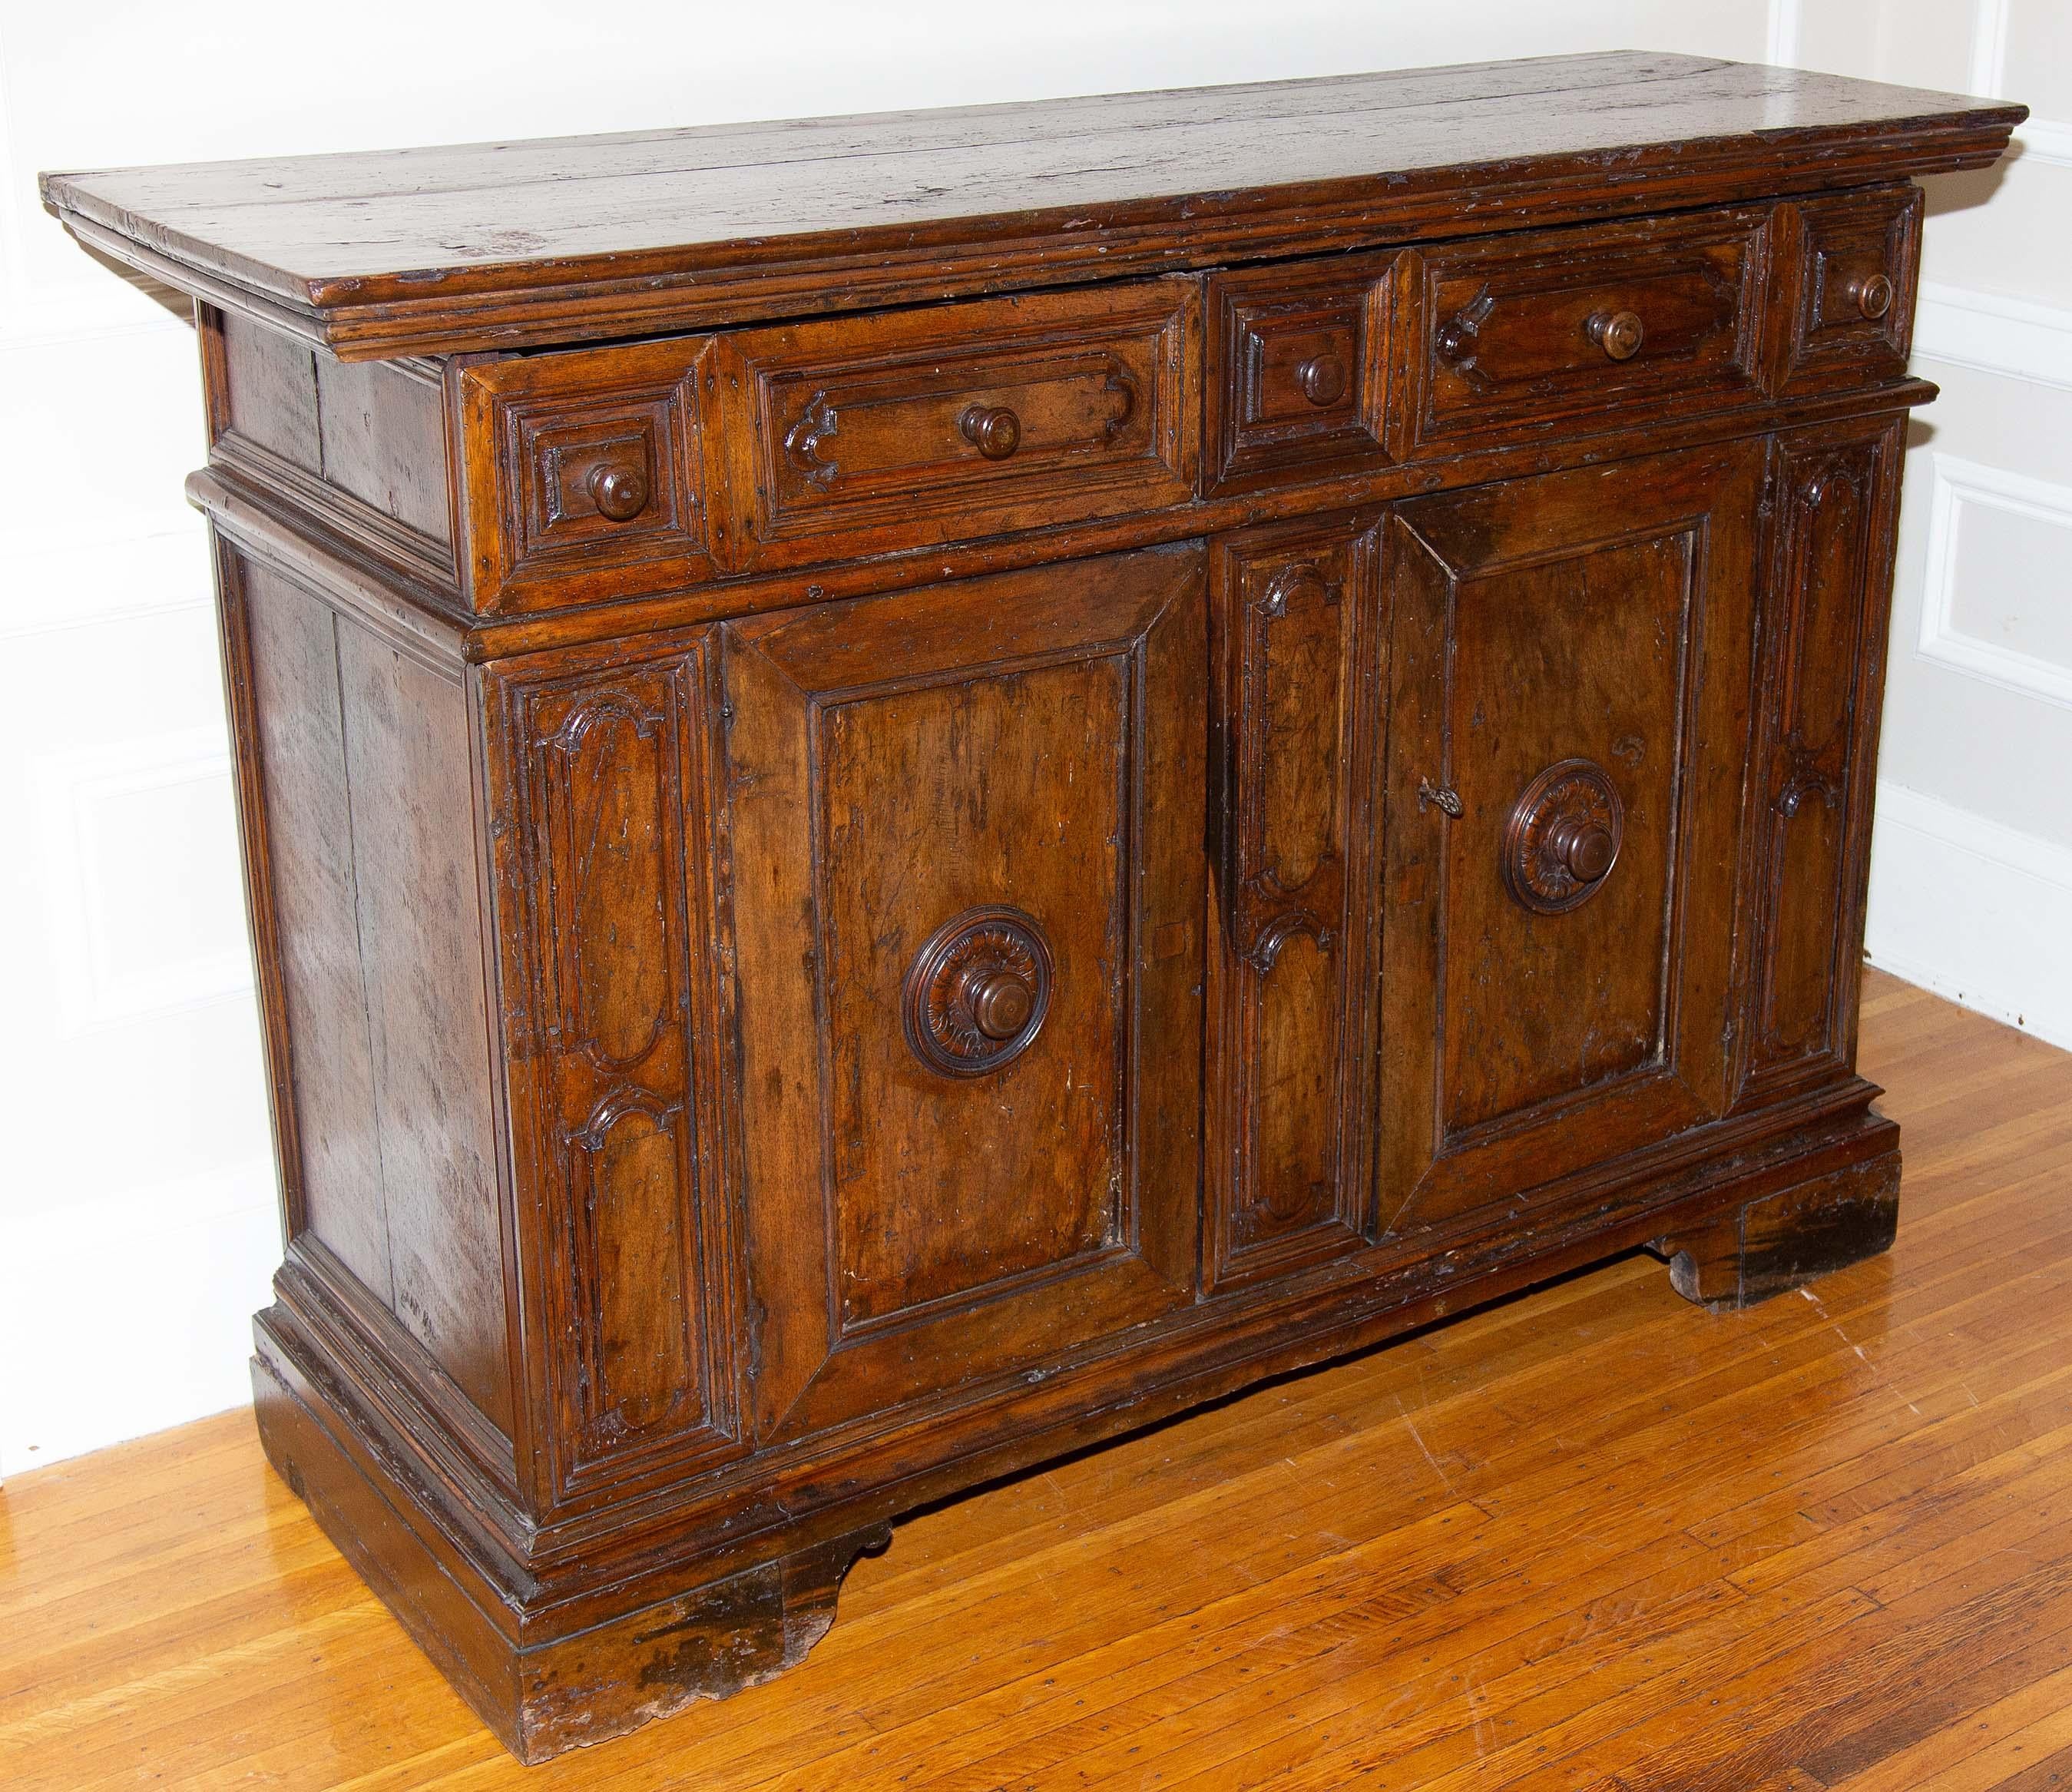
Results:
968 883
1297 639
1570 665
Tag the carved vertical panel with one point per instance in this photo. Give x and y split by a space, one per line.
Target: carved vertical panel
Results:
631 1229
1295 635
1834 499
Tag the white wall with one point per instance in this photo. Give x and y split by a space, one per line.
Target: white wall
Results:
137 1226
1971 864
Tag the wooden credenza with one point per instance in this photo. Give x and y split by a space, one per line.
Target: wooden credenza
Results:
918 789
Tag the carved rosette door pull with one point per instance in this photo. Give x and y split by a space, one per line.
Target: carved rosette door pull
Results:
977 992
1562 837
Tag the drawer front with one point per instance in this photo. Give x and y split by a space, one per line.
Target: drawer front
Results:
1299 380
582 474
1570 665
1581 331
966 827
861 435
1853 316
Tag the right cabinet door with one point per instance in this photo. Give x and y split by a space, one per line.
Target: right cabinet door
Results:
1570 673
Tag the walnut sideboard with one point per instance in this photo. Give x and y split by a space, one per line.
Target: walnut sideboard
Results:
916 789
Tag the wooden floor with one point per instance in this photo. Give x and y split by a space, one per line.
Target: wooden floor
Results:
1591 1539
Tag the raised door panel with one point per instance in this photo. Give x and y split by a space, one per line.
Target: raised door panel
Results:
967 828
1297 639
612 1017
1837 492
1571 667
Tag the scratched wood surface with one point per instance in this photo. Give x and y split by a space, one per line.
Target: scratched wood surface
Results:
1590 1539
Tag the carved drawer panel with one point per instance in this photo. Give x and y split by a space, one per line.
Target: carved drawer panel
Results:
1853 312
967 896
583 474
1570 663
1579 330
874 433
1299 378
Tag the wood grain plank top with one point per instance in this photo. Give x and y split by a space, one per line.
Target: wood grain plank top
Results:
503 245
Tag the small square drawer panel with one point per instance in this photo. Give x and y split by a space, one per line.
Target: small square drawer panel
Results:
1298 370
1854 313
1577 331
871 434
582 473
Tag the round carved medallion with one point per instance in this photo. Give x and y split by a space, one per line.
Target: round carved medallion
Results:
1562 837
977 992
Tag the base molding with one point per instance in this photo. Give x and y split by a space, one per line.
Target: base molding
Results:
542 1699
550 1663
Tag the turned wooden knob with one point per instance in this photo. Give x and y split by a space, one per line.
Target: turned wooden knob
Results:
619 492
1873 294
1618 333
1322 379
1585 848
993 429
1000 1003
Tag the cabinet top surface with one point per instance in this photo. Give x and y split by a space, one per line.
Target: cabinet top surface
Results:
520 244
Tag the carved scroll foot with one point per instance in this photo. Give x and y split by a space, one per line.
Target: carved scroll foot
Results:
709 1644
1784 1240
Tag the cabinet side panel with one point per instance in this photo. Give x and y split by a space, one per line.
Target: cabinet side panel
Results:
268 390
407 753
383 436
360 447
294 653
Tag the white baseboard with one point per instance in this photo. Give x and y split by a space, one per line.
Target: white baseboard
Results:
1975 911
128 1314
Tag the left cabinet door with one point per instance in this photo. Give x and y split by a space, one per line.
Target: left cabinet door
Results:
967 885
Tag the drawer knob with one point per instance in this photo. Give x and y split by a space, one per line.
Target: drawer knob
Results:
977 992
1583 845
993 429
619 492
1618 333
1562 837
1001 1002
1322 379
1873 294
